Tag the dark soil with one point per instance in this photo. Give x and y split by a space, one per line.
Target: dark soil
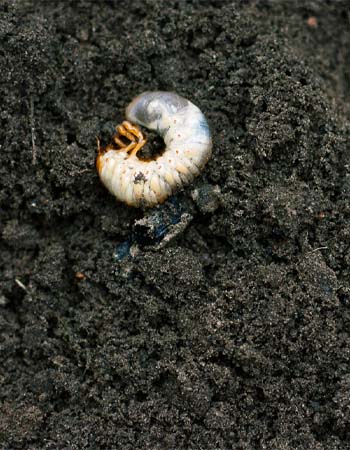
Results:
232 332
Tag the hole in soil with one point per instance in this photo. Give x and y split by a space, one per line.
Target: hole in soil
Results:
154 147
71 138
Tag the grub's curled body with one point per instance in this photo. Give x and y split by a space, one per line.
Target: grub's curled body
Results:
187 139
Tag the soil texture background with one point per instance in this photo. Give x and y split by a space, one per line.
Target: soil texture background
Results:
224 328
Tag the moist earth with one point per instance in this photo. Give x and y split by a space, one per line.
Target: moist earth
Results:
222 320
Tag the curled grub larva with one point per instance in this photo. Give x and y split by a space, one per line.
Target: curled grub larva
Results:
187 139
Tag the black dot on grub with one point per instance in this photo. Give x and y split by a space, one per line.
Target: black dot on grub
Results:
139 178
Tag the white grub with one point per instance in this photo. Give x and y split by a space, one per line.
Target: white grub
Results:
188 147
